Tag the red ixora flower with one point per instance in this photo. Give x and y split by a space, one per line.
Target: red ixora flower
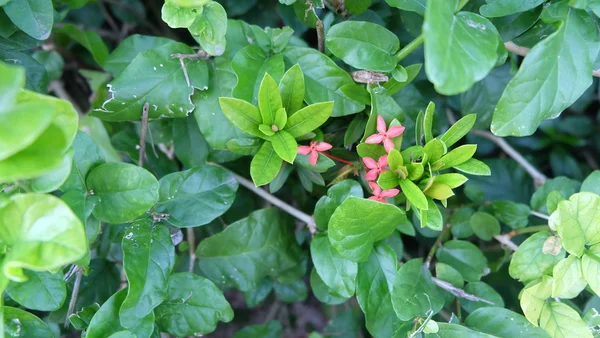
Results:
379 195
385 135
376 168
314 149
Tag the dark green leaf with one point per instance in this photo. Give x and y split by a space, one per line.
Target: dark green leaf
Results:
502 323
250 65
515 215
322 292
42 291
88 39
337 272
335 196
271 329
20 323
504 8
34 17
484 225
465 257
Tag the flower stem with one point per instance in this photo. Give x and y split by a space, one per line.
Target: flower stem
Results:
410 47
336 158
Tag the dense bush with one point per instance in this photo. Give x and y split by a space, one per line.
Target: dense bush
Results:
299 168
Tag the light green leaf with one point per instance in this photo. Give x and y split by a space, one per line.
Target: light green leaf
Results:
88 39
550 78
292 89
414 194
560 320
196 196
455 157
250 65
459 49
337 272
568 278
42 291
20 323
12 81
465 257
34 17
577 222
249 250
484 225
265 165
452 180
474 167
374 284
534 296
155 77
285 146
193 305
52 180
243 115
458 130
43 234
323 79
308 118
495 8
432 217
428 122
358 223
148 259
269 100
210 27
502 323
106 322
529 262
326 205
363 45
125 191
414 293
21 125
590 266
179 16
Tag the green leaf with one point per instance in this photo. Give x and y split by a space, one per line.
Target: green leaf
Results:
374 284
484 225
291 293
22 125
560 320
323 79
533 96
455 157
414 194
592 183
515 215
502 323
20 323
12 81
243 115
269 100
387 180
128 49
482 98
363 45
458 130
358 223
504 8
461 223
393 86
449 274
177 16
417 6
414 293
88 39
428 122
34 17
563 185
106 322
337 272
577 222
452 180
41 233
432 217
454 330
292 89
197 300
474 167
529 262
326 205
54 179
271 329
250 65
244 146
465 257
534 296
196 196
148 258
265 165
568 278
210 27
249 250
285 146
125 191
35 73
322 292
155 77
459 49
484 291
42 291
308 118
590 266
191 147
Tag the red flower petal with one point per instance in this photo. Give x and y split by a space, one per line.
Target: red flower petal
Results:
369 162
383 161
381 127
304 150
323 146
374 139
314 156
395 131
372 175
388 144
389 193
375 187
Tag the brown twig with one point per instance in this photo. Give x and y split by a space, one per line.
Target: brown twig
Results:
320 36
460 293
74 294
143 134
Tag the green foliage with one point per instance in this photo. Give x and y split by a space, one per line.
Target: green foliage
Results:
134 155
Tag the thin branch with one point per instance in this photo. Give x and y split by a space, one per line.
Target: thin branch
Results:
436 245
320 36
191 237
539 215
58 89
538 177
523 51
143 134
460 293
74 294
505 239
310 223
